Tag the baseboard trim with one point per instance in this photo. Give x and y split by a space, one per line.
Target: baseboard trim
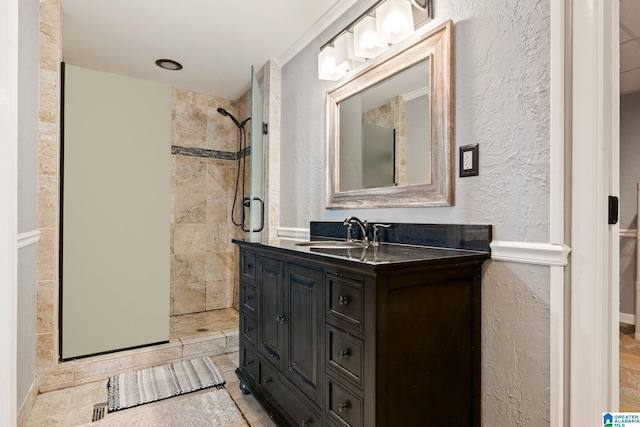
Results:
28 238
629 319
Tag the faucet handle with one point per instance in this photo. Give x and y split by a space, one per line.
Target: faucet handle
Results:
349 236
376 233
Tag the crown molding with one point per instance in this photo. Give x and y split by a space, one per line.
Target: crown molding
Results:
335 12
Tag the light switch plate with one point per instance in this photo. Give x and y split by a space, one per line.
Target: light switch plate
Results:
469 160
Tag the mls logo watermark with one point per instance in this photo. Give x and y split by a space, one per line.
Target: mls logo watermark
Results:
621 419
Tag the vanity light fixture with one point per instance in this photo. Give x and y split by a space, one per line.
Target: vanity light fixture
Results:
386 22
327 69
420 4
169 64
367 44
394 19
345 53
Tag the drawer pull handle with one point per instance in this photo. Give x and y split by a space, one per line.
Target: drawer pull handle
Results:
343 406
268 380
271 353
342 300
344 353
307 421
282 318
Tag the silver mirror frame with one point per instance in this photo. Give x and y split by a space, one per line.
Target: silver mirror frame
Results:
437 46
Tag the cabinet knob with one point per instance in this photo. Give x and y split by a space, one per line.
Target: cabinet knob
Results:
250 362
268 380
343 406
342 300
344 353
307 421
249 328
282 317
249 297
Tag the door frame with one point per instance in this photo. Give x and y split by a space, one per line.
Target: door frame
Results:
594 264
8 209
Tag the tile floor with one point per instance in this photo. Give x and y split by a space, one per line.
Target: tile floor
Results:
73 406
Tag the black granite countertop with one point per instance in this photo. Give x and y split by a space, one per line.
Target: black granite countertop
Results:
389 254
403 245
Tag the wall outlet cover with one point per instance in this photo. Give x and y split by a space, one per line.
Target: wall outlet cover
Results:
469 160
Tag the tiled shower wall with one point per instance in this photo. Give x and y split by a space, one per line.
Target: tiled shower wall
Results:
203 162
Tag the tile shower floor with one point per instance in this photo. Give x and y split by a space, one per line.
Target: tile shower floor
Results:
73 406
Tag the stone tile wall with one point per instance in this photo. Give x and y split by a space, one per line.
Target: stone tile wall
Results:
48 182
205 146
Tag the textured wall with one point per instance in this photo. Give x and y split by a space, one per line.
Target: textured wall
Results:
502 102
629 178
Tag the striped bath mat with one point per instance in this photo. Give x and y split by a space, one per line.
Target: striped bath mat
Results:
161 382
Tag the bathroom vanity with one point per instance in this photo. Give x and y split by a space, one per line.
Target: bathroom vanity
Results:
337 334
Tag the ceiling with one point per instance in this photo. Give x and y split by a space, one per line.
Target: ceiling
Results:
216 41
629 46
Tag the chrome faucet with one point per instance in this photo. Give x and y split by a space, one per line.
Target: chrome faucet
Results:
363 228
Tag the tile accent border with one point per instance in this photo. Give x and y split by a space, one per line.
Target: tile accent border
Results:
209 154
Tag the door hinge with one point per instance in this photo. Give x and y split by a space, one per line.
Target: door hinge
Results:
265 128
613 210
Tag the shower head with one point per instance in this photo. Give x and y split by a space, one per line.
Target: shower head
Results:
225 113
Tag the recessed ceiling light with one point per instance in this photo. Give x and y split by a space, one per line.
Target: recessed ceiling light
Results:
168 64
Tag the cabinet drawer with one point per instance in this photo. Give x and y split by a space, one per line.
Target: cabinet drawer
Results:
248 328
345 355
248 297
249 362
248 266
296 408
343 406
345 303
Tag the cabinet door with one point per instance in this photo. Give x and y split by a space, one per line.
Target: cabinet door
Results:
305 339
271 315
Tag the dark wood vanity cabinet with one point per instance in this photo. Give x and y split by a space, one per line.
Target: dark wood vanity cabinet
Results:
333 343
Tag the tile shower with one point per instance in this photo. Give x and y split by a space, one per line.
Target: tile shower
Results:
203 273
203 162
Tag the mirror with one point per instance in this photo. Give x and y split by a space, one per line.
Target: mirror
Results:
390 128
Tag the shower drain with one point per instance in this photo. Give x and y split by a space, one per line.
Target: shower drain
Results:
99 410
202 330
